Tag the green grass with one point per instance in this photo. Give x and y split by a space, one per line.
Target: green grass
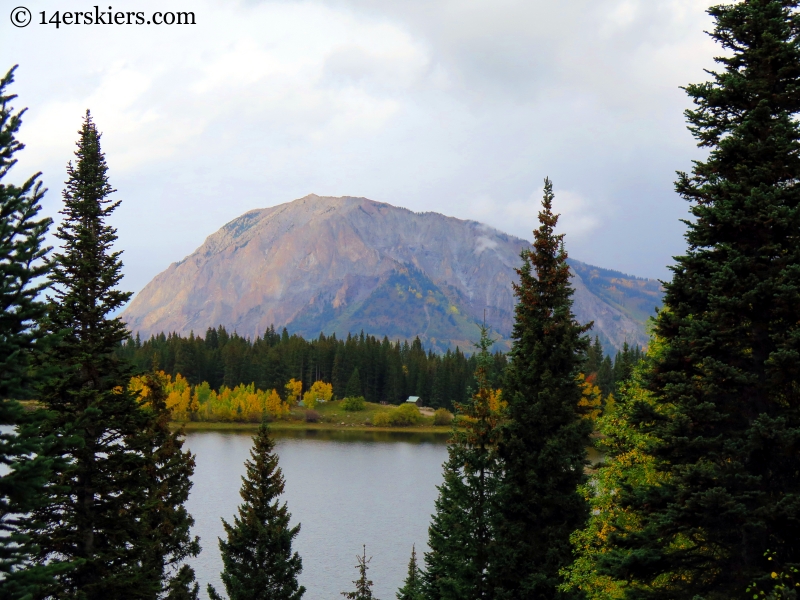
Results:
332 416
332 412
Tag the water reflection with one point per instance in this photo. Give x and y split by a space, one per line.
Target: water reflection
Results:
344 435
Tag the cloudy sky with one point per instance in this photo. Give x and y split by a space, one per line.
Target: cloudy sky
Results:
455 106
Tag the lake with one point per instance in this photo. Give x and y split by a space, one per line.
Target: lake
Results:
345 488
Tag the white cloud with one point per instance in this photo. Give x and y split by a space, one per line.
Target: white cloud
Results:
578 215
484 243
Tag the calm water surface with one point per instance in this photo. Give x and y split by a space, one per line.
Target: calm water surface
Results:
345 488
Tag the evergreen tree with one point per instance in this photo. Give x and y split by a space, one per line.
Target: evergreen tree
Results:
257 555
543 444
624 362
412 588
594 357
605 377
363 585
727 421
353 389
168 474
461 535
93 520
182 586
21 253
21 453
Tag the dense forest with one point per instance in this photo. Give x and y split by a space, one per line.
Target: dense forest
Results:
387 371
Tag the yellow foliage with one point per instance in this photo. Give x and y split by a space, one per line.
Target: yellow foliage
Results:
496 403
274 405
590 403
253 408
482 417
179 398
293 390
319 392
201 403
138 386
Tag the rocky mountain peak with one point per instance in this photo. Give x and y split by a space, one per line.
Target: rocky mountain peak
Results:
349 264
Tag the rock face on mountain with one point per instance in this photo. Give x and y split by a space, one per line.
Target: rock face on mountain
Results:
342 265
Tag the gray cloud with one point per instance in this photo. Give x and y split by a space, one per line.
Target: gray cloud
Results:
460 107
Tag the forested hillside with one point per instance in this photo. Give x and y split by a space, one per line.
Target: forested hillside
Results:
387 371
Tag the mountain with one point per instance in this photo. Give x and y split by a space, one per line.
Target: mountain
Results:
322 264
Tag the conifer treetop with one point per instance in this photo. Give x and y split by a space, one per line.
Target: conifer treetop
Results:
363 585
87 269
544 289
412 588
259 563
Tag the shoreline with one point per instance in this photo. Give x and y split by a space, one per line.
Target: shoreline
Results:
302 426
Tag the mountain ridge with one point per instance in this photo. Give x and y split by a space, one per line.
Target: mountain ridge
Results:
346 264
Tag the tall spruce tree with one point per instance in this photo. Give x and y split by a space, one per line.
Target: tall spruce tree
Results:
543 443
728 380
22 248
257 555
461 534
413 586
168 475
94 517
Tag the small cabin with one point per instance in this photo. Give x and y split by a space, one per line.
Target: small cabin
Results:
414 400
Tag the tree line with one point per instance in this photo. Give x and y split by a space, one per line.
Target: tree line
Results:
699 494
378 370
386 371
